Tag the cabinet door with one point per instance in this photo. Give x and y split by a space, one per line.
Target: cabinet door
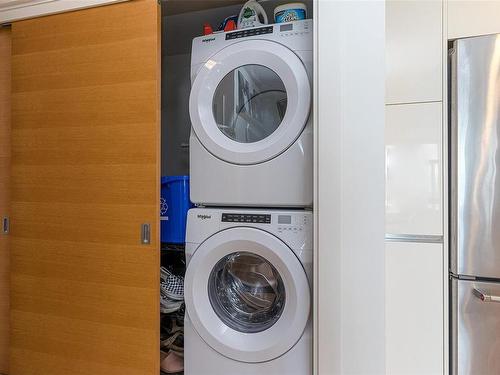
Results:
414 309
472 18
85 176
413 51
413 146
5 74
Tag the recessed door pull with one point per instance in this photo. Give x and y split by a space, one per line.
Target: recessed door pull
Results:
5 225
145 234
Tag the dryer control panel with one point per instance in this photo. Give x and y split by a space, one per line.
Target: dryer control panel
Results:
295 35
249 32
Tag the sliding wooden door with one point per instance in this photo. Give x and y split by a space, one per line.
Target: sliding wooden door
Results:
4 193
85 176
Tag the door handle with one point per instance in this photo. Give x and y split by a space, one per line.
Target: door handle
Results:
145 234
485 297
5 225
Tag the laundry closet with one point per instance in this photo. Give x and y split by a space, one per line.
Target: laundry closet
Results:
103 123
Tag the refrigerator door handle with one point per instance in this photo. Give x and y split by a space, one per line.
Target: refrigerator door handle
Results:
485 297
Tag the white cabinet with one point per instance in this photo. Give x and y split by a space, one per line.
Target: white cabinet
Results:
413 147
413 51
472 18
414 309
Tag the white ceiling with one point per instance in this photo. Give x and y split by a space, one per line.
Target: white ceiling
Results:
13 4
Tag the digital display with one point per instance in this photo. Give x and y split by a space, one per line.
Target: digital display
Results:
287 27
284 219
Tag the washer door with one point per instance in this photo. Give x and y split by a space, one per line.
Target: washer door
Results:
250 101
247 295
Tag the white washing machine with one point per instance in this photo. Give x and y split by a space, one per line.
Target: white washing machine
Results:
251 142
248 292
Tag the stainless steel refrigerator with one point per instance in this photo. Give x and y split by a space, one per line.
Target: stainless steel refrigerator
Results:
475 206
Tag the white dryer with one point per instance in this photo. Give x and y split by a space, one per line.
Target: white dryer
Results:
251 142
248 292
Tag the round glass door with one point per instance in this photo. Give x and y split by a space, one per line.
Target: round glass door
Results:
249 103
246 292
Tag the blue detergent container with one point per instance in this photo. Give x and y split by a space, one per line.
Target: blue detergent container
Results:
174 205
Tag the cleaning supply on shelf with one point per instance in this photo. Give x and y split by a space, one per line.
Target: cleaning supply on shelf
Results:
290 12
252 14
207 29
230 26
229 23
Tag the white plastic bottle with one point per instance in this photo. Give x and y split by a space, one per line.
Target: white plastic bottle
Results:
250 13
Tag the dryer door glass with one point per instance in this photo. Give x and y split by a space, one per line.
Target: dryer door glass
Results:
249 103
246 292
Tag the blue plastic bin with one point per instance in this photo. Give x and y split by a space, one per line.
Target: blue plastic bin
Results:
174 205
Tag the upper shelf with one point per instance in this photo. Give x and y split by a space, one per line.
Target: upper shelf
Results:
173 7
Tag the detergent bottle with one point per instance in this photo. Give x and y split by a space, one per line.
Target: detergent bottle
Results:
251 15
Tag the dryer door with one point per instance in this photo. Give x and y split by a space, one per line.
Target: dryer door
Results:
247 295
250 101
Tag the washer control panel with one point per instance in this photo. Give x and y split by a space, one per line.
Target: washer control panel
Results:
291 224
292 227
282 223
246 218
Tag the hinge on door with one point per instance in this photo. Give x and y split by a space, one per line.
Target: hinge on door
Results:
5 225
145 234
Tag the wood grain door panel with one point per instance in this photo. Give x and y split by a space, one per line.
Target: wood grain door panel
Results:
85 176
5 79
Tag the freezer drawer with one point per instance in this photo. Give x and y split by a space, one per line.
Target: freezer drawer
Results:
475 141
475 328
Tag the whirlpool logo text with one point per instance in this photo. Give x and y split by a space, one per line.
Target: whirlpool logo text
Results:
204 217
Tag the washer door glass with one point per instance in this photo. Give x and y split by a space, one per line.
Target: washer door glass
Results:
235 294
249 103
246 292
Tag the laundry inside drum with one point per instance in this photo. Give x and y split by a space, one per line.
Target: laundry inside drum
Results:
246 292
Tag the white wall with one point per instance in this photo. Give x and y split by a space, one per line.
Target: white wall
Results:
350 266
176 124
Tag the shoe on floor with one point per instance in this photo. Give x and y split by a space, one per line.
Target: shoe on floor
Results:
167 306
171 363
172 286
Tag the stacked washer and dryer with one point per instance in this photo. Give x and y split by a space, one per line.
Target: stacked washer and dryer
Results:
249 244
